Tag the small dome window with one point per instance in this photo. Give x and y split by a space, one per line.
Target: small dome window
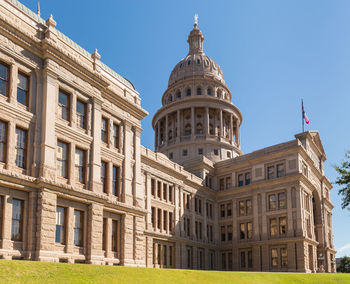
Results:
181 65
179 94
199 91
188 62
207 62
209 92
188 93
198 61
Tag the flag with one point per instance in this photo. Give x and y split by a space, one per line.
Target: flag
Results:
304 114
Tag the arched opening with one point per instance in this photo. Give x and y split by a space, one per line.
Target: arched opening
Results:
209 92
170 134
188 129
199 128
188 92
178 94
199 91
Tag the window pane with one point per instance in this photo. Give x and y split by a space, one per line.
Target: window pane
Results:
249 206
274 257
20 147
22 88
61 156
283 226
78 227
242 231
2 141
273 227
60 212
3 79
282 200
17 211
272 202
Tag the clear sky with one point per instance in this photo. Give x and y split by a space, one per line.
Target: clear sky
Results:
272 53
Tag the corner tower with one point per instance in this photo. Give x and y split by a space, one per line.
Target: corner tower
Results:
197 118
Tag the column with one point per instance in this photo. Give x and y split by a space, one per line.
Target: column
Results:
95 233
255 218
139 189
71 168
298 194
148 201
264 233
108 240
11 153
176 220
13 84
127 168
204 210
221 124
70 231
206 121
48 117
158 138
166 130
73 110
192 122
193 218
231 127
180 225
237 133
95 168
178 126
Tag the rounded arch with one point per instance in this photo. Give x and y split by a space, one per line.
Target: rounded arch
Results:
199 91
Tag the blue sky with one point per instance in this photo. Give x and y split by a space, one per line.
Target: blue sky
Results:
272 53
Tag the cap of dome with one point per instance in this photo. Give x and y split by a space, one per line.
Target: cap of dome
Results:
196 63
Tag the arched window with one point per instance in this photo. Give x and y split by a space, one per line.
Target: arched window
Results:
198 61
199 91
188 129
188 93
199 128
181 65
170 98
188 62
209 92
179 94
218 93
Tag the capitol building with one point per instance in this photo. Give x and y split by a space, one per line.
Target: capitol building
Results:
77 186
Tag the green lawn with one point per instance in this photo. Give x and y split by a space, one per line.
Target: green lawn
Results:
12 271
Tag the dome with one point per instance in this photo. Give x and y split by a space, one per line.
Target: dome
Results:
196 63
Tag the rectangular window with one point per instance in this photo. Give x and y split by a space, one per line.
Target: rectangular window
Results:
249 206
116 135
273 227
170 221
250 259
247 178
188 227
283 226
153 187
3 79
3 140
81 114
188 202
222 184
63 103
242 259
229 233
62 159
153 216
241 208
78 227
228 182
170 194
284 257
165 220
80 165
242 231
165 191
240 180
270 172
116 181
104 176
223 260
115 235
60 225
104 130
17 220
249 230
282 200
104 236
159 215
200 151
159 189
229 209
222 210
280 170
184 153
274 258
223 233
272 202
22 89
199 206
21 147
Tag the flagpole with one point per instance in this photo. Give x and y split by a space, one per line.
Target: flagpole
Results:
302 114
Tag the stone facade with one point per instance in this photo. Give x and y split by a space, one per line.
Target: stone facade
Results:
76 185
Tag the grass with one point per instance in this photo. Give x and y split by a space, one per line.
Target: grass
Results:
14 271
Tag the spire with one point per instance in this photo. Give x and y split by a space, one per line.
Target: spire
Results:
38 9
195 38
